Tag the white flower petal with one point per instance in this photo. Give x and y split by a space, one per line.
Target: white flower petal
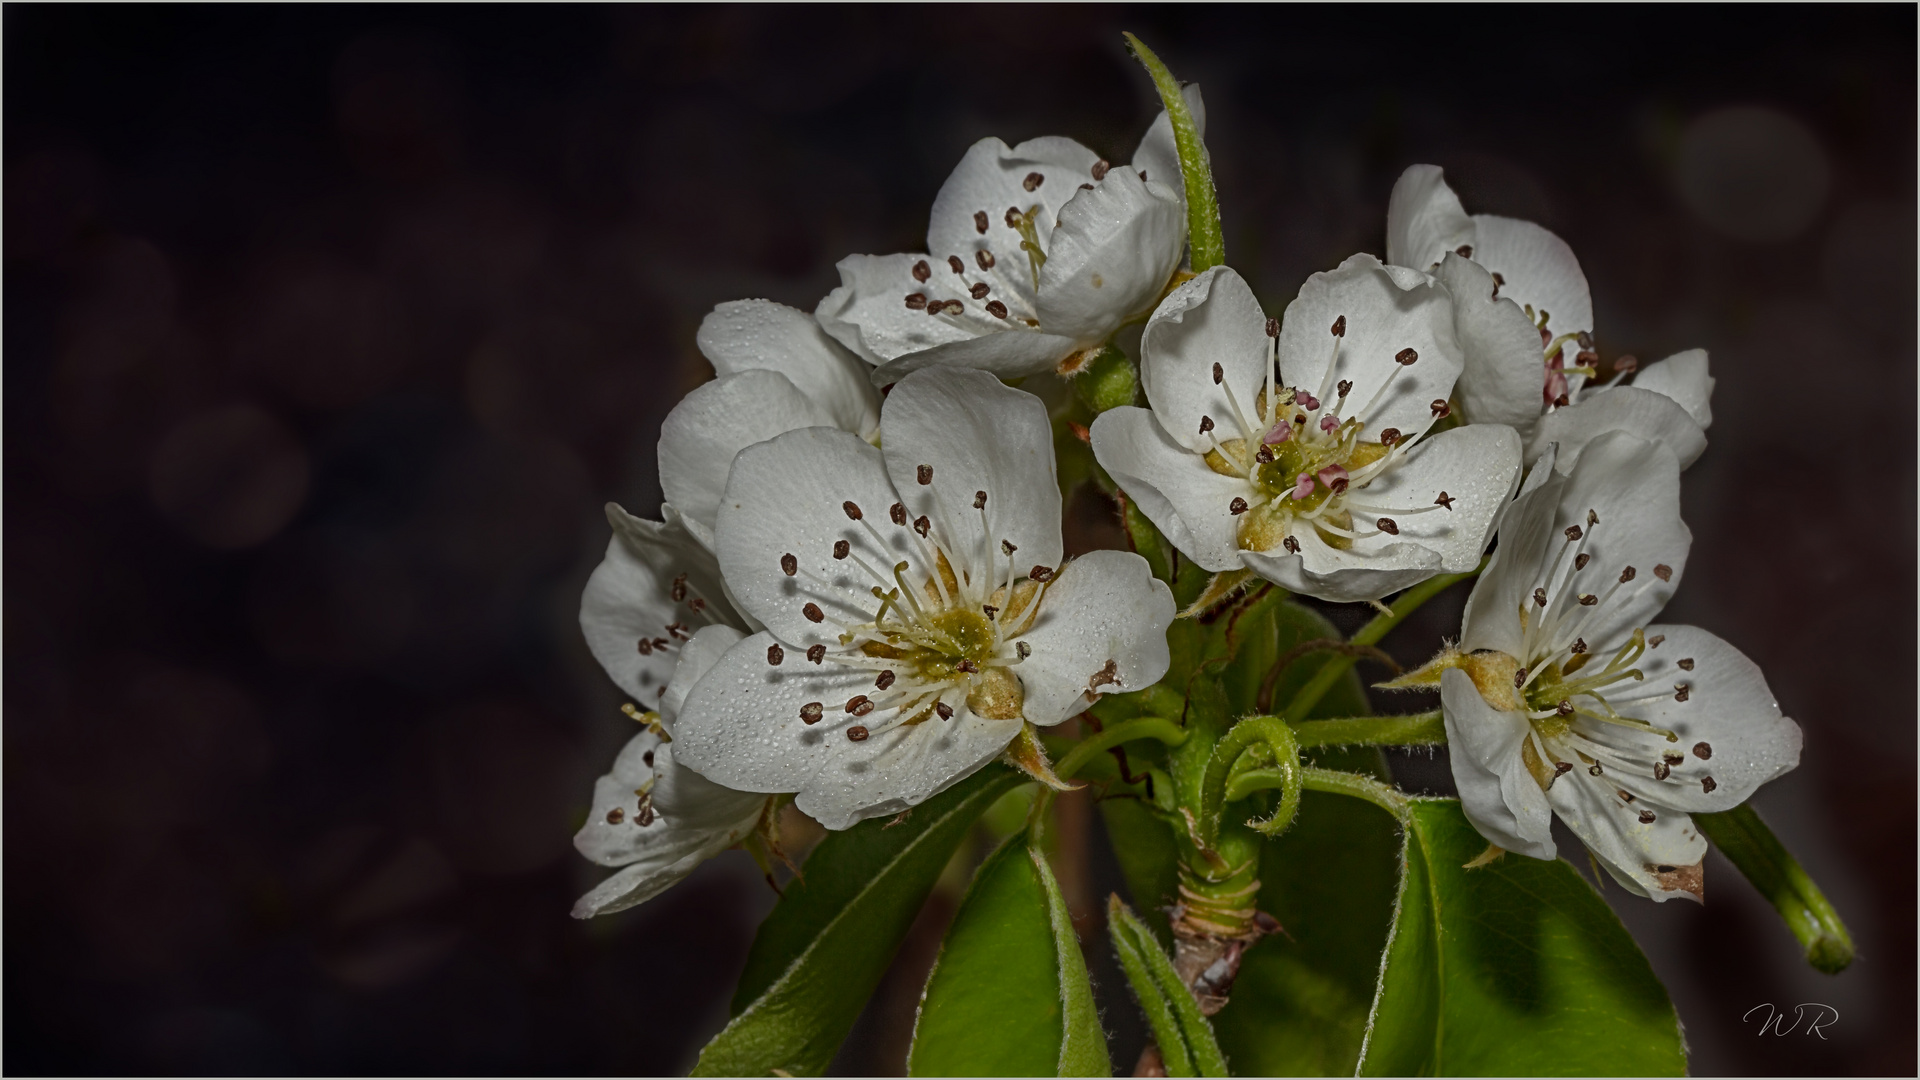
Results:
977 434
785 496
1539 271
1491 619
748 335
742 727
1159 157
629 599
708 643
991 179
1187 501
1010 353
1682 377
1503 373
1497 794
717 420
1102 629
1342 577
1383 317
1632 850
1476 466
1729 712
1632 409
1211 319
1424 219
1116 245
868 313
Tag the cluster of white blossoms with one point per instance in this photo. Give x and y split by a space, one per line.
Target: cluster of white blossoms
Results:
858 599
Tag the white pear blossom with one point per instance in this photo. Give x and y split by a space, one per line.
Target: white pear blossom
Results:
656 618
1521 306
1296 451
775 371
916 610
1564 697
1035 255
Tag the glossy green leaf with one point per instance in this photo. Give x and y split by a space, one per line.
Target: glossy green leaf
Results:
821 952
1008 994
1186 1041
1515 968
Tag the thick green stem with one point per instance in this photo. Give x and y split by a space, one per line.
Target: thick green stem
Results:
1384 796
1143 727
1416 729
1203 205
1403 605
1745 839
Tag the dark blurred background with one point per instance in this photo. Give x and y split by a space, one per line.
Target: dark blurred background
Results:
328 330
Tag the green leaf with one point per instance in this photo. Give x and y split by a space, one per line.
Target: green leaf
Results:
1186 1040
1756 852
1515 968
1144 846
821 952
1203 205
1008 994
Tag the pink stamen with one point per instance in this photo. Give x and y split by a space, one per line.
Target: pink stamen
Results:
1281 433
1302 486
1305 400
1329 422
1332 474
1556 383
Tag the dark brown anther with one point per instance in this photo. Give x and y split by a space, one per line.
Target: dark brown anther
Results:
1592 518
775 655
921 525
897 514
1581 560
1445 500
984 258
916 301
1025 650
1086 187
1594 769
813 613
1707 785
996 309
858 705
789 565
852 508
1264 455
1587 599
1292 545
979 500
968 667
1041 574
1519 678
810 712
1014 217
841 549
645 646
1440 408
954 264
1702 751
1663 572
980 290
857 733
885 680
1206 424
679 591
1561 402
1562 768
1390 436
945 710
616 815
647 759
1628 575
1388 526
1661 770
1237 507
816 653
1585 340
680 631
1646 817
1540 597
1218 373
643 814
1032 181
1565 708
924 474
1345 386
1681 691
1625 795
1273 328
698 603
1686 664
921 271
1143 176
1340 326
1339 486
1100 169
1405 357
1672 757
1626 365
1008 547
1465 251
989 611
1579 646
1573 532
980 222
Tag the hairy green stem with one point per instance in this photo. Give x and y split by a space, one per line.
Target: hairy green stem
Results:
1415 729
1142 727
1241 738
1745 839
1385 796
1403 605
1203 205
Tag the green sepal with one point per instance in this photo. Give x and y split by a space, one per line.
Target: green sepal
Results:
1746 840
1108 380
821 952
1185 1039
1196 168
